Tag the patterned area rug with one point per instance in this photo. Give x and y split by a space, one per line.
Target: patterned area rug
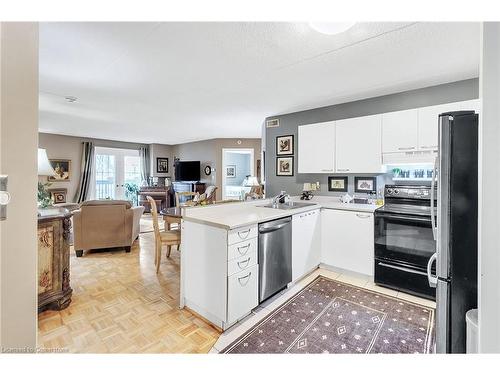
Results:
328 316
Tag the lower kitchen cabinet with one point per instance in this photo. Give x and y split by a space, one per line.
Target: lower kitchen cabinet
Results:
242 293
220 272
347 240
306 243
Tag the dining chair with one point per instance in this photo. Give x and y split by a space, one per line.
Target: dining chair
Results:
167 237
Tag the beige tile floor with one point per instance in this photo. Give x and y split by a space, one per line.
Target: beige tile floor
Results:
268 306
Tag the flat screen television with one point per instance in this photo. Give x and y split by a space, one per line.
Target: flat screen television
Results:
187 171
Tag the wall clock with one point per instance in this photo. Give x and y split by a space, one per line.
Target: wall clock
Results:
208 170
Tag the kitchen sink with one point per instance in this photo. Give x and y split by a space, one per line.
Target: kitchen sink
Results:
288 205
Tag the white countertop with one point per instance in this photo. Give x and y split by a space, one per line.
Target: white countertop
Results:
234 215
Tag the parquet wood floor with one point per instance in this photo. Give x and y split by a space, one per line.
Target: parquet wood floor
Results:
120 305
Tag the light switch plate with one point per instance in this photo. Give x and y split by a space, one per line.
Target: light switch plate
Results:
3 187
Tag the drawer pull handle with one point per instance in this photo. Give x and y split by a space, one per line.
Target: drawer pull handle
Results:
245 262
406 148
246 247
343 169
428 147
245 234
247 278
363 216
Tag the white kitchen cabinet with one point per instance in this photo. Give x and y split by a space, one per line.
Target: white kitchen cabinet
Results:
347 240
428 125
242 293
358 145
306 243
400 131
316 148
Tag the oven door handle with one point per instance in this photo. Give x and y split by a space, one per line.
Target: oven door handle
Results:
401 217
430 277
404 269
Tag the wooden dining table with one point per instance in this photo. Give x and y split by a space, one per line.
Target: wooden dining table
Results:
171 215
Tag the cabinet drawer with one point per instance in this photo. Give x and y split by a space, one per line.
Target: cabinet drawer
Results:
241 234
242 263
241 248
242 293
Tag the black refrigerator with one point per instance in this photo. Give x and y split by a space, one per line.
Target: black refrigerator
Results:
455 228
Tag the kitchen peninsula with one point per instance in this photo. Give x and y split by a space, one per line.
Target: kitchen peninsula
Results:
219 257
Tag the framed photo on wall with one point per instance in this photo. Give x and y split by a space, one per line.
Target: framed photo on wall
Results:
365 184
231 171
284 166
62 167
337 183
161 165
284 145
58 195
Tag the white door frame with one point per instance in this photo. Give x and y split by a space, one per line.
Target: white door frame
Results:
241 151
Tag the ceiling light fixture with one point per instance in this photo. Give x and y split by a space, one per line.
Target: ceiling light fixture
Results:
71 99
331 28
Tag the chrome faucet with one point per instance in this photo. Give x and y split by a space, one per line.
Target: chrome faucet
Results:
281 196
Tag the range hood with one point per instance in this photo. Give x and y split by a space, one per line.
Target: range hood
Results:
412 157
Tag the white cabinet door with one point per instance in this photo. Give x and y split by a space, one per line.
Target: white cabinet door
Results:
428 125
316 148
358 145
306 243
347 240
399 131
242 293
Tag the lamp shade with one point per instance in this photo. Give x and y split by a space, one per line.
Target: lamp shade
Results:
251 181
44 167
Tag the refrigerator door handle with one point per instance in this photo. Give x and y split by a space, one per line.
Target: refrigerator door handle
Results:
431 278
433 185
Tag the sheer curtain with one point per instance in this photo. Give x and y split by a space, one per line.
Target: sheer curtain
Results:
145 163
85 186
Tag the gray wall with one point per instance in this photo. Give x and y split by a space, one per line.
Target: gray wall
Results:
446 93
161 151
209 152
67 147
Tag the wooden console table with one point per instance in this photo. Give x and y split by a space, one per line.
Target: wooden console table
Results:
54 231
161 195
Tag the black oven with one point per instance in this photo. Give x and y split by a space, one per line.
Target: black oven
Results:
404 241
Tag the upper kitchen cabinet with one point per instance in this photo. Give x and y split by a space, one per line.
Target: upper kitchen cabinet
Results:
399 131
428 124
316 148
359 145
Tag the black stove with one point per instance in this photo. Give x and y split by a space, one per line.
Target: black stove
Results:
403 239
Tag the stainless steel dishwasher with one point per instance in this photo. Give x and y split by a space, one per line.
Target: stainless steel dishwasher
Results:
275 256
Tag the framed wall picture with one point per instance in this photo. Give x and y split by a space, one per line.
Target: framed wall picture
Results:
284 145
284 166
365 184
58 195
62 167
337 183
230 171
161 165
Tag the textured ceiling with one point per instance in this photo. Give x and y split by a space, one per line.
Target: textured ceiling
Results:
177 82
